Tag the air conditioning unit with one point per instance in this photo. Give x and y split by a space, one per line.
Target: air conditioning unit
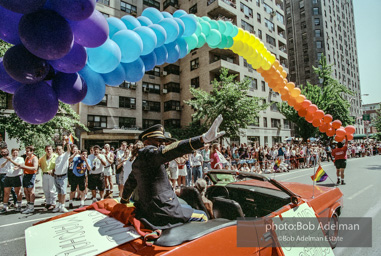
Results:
133 86
133 106
273 13
146 108
164 73
178 108
165 91
145 89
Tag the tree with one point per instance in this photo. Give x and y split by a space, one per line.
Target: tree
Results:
4 46
228 98
377 123
329 97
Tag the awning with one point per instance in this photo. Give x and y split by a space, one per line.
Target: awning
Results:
359 136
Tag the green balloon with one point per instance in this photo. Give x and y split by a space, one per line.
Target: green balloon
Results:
201 40
229 28
222 25
229 42
214 24
199 29
205 27
206 18
192 41
234 32
223 43
214 38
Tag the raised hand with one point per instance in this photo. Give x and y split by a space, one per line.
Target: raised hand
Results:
212 133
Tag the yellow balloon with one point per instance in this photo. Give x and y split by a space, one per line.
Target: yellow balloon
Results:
272 59
260 47
246 37
253 41
240 34
295 92
256 65
237 46
254 54
249 51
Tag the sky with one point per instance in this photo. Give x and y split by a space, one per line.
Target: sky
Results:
368 34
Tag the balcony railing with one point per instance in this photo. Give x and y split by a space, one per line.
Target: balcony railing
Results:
231 3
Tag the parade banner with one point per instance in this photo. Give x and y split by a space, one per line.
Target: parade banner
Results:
86 233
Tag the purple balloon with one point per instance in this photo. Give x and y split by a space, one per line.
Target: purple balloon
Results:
22 6
73 9
70 88
23 66
46 34
91 32
73 62
35 103
9 26
7 83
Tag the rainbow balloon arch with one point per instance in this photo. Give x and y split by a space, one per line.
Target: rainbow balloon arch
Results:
68 51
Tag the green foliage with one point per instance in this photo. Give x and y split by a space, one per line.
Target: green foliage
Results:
329 97
376 121
4 46
192 130
50 132
228 98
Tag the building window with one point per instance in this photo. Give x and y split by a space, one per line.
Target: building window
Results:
172 69
315 2
3 100
128 8
259 18
104 2
280 17
319 54
263 86
194 64
302 14
317 33
193 9
258 3
151 106
317 21
253 83
127 122
195 82
247 11
318 44
103 102
127 102
173 123
265 122
274 107
105 15
171 105
315 11
154 72
259 34
256 122
269 25
301 4
172 87
270 40
246 26
128 85
150 122
96 121
151 88
286 124
267 8
152 3
275 123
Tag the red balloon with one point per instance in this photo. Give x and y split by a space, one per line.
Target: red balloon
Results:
328 118
340 132
350 129
316 122
330 132
309 117
312 108
306 103
324 127
336 124
350 137
302 112
319 114
339 139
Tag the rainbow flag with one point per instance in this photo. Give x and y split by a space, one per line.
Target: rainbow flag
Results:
320 175
71 139
276 164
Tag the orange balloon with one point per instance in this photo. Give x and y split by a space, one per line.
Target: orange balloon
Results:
330 132
350 137
284 73
302 112
312 108
290 85
336 124
309 117
295 92
328 118
276 64
339 139
340 132
350 129
285 97
316 122
323 127
298 106
319 114
291 101
306 103
284 90
300 98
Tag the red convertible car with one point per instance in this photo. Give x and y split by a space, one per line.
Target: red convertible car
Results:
235 195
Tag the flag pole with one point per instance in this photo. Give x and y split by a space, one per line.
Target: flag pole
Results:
313 187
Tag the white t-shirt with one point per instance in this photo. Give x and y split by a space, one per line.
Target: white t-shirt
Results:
119 155
3 170
99 167
11 169
62 163
127 168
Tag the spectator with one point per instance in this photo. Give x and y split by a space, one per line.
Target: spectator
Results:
47 164
81 166
108 171
96 176
196 162
30 170
214 158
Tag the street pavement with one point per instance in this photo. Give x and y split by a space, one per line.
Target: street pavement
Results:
361 199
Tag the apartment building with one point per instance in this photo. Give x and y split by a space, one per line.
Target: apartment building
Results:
316 27
159 97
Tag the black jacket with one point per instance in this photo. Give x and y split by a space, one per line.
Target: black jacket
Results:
157 202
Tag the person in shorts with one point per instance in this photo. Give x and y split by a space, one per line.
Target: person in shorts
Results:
30 167
340 155
13 178
96 175
108 171
80 167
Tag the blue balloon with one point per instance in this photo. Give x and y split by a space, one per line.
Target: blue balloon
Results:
104 58
115 77
190 24
205 27
73 9
229 28
183 46
131 22
144 21
91 32
115 25
173 52
149 39
73 62
149 61
22 6
96 88
46 34
153 14
130 44
23 66
181 27
161 55
179 13
172 29
167 15
134 70
9 26
70 88
35 103
161 34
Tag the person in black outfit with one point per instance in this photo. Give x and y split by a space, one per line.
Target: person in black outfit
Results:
157 204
